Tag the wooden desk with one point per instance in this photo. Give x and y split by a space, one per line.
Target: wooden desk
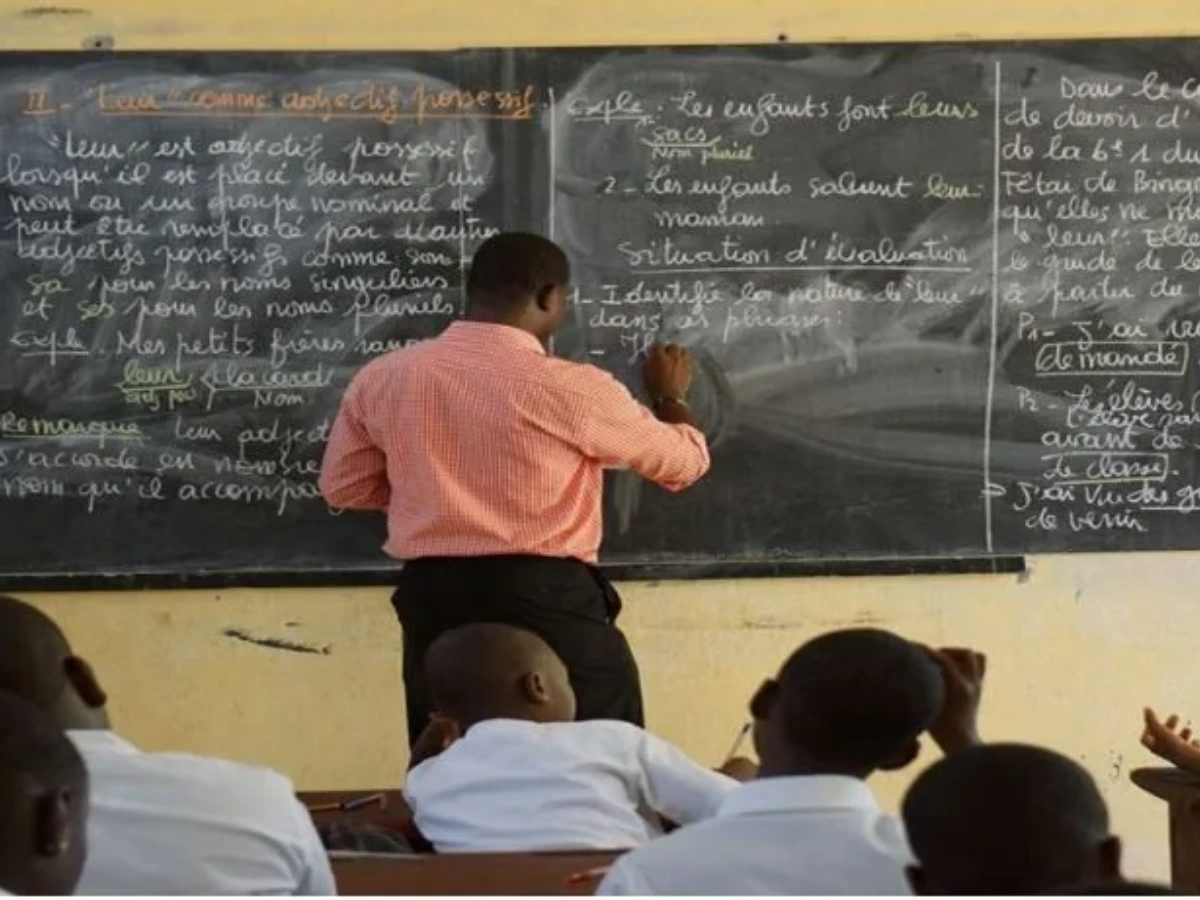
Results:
507 874
392 812
1181 791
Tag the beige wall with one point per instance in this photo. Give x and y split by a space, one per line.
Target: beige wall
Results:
1077 647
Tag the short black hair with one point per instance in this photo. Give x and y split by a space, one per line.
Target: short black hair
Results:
473 672
858 698
1005 819
32 652
34 750
511 267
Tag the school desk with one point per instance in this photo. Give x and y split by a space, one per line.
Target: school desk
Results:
501 874
1181 790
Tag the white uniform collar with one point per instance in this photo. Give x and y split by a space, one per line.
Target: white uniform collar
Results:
799 793
97 740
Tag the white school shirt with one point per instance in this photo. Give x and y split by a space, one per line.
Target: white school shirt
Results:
813 835
511 786
165 823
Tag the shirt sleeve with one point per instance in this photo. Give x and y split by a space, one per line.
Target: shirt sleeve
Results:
619 432
316 875
677 787
624 880
354 472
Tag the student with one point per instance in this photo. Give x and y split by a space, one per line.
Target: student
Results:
161 823
844 706
43 804
1011 820
488 456
524 776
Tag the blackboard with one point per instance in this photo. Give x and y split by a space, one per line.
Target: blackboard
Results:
945 298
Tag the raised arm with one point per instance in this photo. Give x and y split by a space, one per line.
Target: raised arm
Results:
662 445
678 788
1168 741
963 671
354 472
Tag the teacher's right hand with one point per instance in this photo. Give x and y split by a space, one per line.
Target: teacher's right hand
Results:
667 373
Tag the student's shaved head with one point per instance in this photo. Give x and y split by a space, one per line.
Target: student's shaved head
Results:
38 666
33 651
43 803
1008 819
486 671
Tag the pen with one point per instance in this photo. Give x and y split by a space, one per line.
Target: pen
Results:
350 805
743 732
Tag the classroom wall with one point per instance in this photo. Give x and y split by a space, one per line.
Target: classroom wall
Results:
1077 646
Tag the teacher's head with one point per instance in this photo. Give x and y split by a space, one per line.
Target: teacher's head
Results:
520 280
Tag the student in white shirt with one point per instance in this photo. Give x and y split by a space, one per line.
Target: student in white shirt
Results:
844 706
524 776
1009 820
43 804
162 823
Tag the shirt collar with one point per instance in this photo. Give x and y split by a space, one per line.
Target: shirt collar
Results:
799 793
101 741
500 726
494 336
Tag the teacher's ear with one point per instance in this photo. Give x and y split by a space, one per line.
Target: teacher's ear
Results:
551 302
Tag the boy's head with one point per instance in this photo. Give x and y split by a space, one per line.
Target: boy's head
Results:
37 665
849 702
1008 819
43 803
519 279
491 671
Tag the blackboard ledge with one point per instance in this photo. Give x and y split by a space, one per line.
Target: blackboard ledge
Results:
383 576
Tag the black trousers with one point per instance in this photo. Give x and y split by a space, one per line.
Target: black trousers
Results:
569 604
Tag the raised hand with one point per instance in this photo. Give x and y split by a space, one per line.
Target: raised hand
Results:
1168 741
963 671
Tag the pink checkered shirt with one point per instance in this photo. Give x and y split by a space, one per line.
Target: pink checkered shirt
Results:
477 444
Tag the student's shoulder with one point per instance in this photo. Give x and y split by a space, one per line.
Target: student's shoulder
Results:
654 865
220 783
600 733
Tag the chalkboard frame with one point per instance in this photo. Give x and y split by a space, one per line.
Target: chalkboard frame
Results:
383 577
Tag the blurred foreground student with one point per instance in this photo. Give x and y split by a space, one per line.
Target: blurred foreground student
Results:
43 804
504 766
1011 820
161 823
844 706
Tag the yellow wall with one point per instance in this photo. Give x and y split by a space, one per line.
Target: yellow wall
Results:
1076 648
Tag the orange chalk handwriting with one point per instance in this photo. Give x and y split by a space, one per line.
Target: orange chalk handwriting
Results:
455 103
111 101
371 101
222 101
37 102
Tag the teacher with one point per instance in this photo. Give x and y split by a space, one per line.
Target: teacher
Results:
487 455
